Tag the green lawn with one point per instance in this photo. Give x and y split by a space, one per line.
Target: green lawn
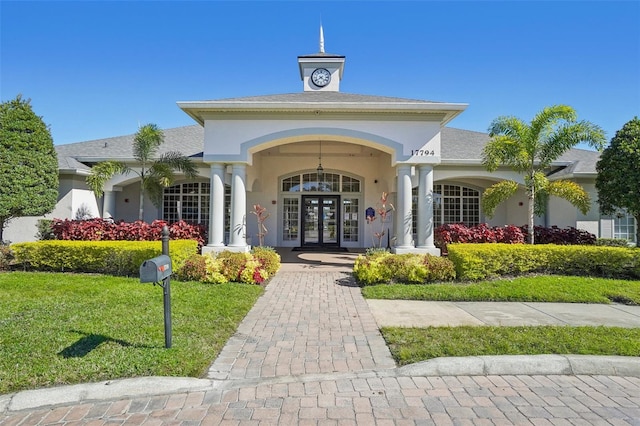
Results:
73 328
543 288
409 345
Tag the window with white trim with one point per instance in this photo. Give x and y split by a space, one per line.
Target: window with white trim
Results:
330 182
190 202
624 227
451 204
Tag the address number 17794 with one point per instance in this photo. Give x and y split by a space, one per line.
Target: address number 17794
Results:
422 152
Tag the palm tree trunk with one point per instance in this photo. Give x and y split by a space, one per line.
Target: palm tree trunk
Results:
141 210
531 213
637 217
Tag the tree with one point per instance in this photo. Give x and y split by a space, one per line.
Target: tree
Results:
155 173
28 163
618 180
530 149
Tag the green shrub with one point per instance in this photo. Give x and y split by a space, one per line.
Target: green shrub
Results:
269 259
193 269
232 264
481 261
612 242
45 229
383 267
108 257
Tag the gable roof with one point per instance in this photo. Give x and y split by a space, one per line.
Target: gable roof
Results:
458 147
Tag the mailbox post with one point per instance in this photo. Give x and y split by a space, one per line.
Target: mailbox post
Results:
158 271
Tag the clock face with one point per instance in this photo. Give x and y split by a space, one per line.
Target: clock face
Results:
321 77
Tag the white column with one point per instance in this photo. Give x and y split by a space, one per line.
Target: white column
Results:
109 205
238 207
425 207
216 206
404 220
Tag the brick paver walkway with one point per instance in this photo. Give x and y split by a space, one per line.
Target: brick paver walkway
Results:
305 323
372 399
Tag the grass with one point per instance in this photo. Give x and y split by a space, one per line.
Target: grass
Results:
63 328
543 288
409 345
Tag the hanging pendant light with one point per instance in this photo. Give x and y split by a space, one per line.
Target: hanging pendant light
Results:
320 170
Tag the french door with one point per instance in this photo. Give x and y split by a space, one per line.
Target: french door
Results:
320 220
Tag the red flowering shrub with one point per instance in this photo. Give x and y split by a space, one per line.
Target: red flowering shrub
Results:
482 233
555 235
510 234
107 230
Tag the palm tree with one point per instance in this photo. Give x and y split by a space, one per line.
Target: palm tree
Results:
530 149
155 173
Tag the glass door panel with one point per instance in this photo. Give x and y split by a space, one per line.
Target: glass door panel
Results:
321 221
329 220
311 220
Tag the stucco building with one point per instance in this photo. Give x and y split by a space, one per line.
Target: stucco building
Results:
319 160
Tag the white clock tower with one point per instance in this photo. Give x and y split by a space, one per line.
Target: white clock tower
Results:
321 72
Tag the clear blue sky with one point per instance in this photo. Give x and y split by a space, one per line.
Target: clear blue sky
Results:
99 69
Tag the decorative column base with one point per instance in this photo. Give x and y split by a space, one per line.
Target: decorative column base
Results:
434 251
218 249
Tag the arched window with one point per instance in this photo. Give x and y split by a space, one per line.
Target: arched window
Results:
330 182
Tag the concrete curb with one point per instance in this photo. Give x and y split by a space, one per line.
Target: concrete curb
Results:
112 389
526 365
453 366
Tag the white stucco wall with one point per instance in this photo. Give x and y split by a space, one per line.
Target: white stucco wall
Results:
128 205
235 140
72 195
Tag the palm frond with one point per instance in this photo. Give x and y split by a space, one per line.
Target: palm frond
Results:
496 195
572 192
505 150
568 136
162 173
177 161
537 182
154 188
508 126
146 142
544 122
102 172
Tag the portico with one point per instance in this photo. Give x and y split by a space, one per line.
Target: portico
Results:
268 148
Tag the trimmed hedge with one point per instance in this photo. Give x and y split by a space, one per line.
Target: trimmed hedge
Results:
383 267
481 261
612 242
105 257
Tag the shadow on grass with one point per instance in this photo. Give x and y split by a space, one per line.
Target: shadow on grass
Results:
89 342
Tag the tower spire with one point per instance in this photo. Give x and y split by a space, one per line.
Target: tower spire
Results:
321 39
